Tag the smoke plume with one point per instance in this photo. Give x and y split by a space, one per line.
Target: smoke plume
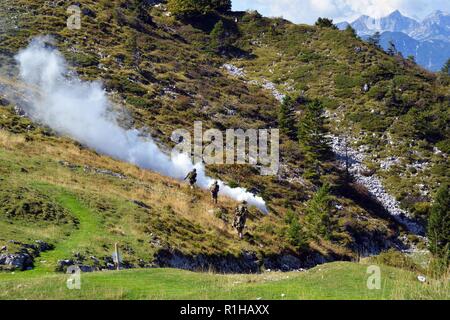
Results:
82 111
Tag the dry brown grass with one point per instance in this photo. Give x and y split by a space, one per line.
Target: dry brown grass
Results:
146 186
11 141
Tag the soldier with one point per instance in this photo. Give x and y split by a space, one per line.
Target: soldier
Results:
214 191
240 218
192 178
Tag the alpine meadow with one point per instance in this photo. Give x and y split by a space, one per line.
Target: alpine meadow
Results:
183 150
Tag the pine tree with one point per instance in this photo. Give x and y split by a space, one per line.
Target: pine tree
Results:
411 58
446 68
312 137
319 213
184 8
295 234
218 36
325 23
392 50
221 5
193 8
223 35
439 223
375 39
286 117
350 30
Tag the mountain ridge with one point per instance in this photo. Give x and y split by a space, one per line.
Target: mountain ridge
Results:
428 40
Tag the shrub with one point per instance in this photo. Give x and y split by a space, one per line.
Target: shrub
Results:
319 213
421 210
138 102
444 146
286 118
193 8
220 37
446 68
396 259
325 23
82 60
439 223
126 86
343 81
370 121
351 31
295 233
31 205
378 92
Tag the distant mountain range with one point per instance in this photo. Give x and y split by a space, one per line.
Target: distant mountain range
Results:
428 41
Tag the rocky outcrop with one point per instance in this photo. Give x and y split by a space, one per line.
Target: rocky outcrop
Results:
264 83
23 259
16 261
90 264
354 159
288 262
247 262
88 169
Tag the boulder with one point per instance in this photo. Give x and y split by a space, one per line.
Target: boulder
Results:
18 261
62 265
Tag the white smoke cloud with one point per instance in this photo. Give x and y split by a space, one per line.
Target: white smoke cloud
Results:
82 111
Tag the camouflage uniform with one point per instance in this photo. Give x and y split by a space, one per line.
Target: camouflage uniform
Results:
240 218
215 191
192 178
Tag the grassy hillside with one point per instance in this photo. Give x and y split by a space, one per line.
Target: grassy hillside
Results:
166 76
391 108
84 203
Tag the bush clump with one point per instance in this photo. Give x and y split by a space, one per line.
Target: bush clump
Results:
396 259
31 205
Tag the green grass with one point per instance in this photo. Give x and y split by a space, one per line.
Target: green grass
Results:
79 239
331 281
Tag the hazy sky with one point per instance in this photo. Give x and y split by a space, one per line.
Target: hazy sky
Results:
307 11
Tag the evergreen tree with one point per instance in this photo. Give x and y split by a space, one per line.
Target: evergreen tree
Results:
319 213
325 23
286 117
193 8
295 234
439 224
219 36
221 5
184 8
350 30
312 137
411 58
446 68
375 39
392 50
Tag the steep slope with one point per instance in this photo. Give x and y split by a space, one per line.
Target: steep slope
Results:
165 74
382 101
